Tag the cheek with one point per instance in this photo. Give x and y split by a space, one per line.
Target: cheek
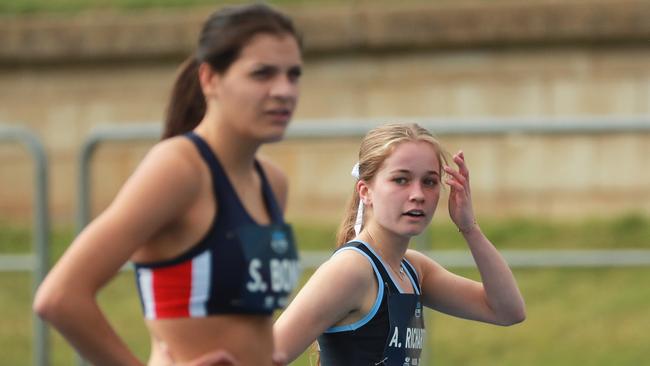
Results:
241 91
387 204
434 197
382 196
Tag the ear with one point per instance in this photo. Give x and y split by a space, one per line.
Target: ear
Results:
364 192
209 79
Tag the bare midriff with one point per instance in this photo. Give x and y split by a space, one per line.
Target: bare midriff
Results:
248 338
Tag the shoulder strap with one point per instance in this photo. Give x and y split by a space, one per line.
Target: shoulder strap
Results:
218 174
269 197
385 277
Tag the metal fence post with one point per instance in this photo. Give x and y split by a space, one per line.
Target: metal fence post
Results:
39 262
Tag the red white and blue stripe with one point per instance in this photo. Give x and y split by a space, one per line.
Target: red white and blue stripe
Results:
175 291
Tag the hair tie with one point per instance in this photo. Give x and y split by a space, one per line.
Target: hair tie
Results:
355 170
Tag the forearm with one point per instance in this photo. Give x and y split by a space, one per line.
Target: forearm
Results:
84 326
288 343
501 290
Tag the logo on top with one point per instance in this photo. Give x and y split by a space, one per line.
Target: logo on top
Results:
279 242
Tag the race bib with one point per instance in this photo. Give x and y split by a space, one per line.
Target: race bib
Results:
272 265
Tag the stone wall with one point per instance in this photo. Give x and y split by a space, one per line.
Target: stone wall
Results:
61 99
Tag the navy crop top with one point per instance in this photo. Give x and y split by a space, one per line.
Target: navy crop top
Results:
239 267
391 334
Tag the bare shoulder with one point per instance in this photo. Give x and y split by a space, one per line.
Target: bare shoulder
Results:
176 150
176 157
422 263
351 265
171 169
277 179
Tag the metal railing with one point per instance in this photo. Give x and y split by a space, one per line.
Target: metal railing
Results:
338 128
38 261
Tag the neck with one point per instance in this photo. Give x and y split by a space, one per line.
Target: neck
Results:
389 246
235 151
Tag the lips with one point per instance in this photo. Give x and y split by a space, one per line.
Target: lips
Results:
283 114
414 213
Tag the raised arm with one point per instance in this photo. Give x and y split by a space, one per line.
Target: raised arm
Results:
497 299
162 187
340 289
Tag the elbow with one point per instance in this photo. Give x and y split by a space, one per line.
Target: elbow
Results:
44 305
513 316
48 303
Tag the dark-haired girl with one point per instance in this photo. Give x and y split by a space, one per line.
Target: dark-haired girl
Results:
202 216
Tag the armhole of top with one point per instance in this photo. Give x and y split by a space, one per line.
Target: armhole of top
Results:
380 294
270 201
411 272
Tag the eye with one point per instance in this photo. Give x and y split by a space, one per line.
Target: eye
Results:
263 73
432 182
294 74
400 180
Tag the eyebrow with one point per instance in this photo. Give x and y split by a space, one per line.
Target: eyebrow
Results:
432 172
262 65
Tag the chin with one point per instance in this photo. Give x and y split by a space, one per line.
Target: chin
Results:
272 134
411 232
271 138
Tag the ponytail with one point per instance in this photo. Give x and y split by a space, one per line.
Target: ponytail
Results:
186 106
346 229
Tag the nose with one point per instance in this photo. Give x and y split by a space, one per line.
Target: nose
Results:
284 88
416 193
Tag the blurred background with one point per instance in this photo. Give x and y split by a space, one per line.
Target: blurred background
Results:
549 100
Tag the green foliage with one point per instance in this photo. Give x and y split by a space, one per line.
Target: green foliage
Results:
628 231
14 239
574 317
569 309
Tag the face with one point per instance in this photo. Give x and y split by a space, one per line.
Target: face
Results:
404 193
258 93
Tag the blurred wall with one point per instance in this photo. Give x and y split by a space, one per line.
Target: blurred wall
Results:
544 59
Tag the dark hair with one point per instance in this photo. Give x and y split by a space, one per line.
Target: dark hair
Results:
222 38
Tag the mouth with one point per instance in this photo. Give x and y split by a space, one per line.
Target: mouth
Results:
414 213
279 114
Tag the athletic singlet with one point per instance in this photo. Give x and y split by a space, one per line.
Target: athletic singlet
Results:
391 334
239 267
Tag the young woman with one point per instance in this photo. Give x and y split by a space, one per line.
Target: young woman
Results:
364 305
202 216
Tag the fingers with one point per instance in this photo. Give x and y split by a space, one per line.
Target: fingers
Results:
455 179
459 159
458 179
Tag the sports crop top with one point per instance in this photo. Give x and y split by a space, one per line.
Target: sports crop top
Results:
239 267
391 334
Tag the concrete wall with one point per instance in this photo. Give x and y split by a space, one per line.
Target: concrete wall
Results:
537 175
